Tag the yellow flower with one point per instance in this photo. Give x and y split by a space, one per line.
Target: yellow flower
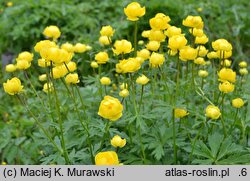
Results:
201 39
172 52
193 22
94 64
226 63
226 87
200 61
140 42
122 47
110 108
128 65
10 68
42 77
44 44
102 57
124 93
88 47
133 11
243 64
172 31
123 86
156 35
68 47
153 45
202 51
177 42
196 32
145 33
105 81
224 54
117 141
144 53
106 158
59 71
13 86
180 113
237 103
226 74
203 73
142 80
52 32
71 66
159 22
48 87
213 112
107 31
222 45
72 78
243 71
43 63
212 55
9 4
23 64
25 56
104 40
187 53
156 59
80 48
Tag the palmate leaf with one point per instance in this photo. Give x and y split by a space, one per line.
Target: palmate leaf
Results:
214 142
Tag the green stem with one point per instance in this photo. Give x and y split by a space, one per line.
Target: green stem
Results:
107 126
135 38
142 89
174 138
235 119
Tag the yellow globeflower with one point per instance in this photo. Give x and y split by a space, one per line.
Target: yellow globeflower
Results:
80 48
43 63
172 31
187 53
124 93
110 108
105 81
107 31
196 32
48 87
144 54
177 42
153 45
159 22
42 77
10 68
25 56
243 64
213 112
68 47
122 47
59 72
203 73
9 4
128 65
237 103
226 74
180 113
117 141
212 55
106 158
71 66
142 80
52 32
44 44
133 11
224 54
156 59
102 57
243 71
200 61
13 86
226 87
193 22
94 64
201 39
23 64
145 33
123 86
72 78
202 51
226 63
156 35
104 40
222 45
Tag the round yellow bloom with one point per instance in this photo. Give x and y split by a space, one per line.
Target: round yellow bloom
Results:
23 64
156 35
213 112
106 158
226 87
124 93
243 64
201 39
48 87
172 31
142 80
3 163
180 113
52 32
196 32
159 22
133 11
193 22
104 40
153 45
94 64
187 53
200 61
9 4
128 65
42 77
140 42
59 71
226 74
156 59
122 47
25 56
224 54
226 63
80 48
72 78
68 47
237 103
144 53
203 73
145 33
107 31
10 68
44 44
212 55
123 86
177 42
71 66
243 71
13 86
105 81
102 57
110 108
88 47
117 141
172 52
43 63
202 51
222 45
